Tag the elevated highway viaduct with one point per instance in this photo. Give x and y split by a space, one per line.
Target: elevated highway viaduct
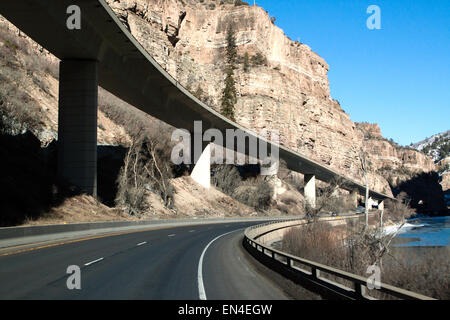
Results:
103 52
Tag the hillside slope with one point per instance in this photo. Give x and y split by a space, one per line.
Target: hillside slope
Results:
436 146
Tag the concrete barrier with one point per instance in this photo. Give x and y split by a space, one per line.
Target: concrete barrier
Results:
13 236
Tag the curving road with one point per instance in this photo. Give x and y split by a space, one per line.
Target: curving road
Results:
191 262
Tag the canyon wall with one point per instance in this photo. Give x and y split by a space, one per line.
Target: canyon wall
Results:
288 92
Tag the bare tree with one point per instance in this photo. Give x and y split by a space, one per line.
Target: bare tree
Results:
147 167
326 200
364 168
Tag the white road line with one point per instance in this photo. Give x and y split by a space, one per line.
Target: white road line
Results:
171 235
191 230
201 286
92 262
140 244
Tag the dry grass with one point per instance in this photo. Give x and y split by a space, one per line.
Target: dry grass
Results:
147 167
81 208
424 270
399 210
253 191
133 120
20 69
353 250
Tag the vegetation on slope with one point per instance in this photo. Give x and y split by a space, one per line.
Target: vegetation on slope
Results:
353 248
229 95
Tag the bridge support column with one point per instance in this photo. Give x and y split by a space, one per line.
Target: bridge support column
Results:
371 203
310 189
77 123
202 169
354 198
381 208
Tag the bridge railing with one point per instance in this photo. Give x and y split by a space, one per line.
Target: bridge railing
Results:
313 275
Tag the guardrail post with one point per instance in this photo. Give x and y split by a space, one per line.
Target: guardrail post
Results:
315 272
360 290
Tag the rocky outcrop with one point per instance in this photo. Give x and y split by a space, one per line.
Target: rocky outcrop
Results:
444 170
445 181
289 91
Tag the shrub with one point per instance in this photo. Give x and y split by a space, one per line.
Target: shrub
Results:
353 250
258 59
263 196
257 196
240 3
246 62
283 208
289 200
399 210
253 192
327 200
146 168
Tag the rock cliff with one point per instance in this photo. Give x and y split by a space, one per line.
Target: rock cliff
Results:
286 90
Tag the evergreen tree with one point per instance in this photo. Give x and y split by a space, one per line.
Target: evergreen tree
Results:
231 46
246 62
229 96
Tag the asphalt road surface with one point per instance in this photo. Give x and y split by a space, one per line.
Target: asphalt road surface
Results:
192 262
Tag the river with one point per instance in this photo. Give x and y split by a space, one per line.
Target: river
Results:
424 232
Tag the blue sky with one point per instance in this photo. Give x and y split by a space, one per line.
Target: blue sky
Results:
398 76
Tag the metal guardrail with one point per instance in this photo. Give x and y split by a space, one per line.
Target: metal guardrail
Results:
294 268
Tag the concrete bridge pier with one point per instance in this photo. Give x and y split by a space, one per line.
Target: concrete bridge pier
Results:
381 205
202 169
354 198
371 202
77 123
310 189
200 160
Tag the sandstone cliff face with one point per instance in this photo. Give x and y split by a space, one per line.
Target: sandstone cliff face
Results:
290 93
385 154
444 168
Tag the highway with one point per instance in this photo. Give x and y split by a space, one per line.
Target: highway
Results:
186 263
